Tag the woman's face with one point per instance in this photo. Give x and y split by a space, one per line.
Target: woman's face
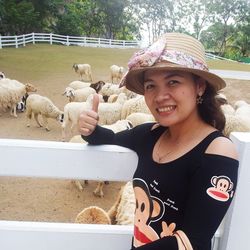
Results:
171 95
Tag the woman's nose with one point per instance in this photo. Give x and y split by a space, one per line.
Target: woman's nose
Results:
162 95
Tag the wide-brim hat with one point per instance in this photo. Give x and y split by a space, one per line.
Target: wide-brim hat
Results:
171 52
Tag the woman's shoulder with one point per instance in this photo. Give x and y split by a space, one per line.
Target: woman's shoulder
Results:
222 146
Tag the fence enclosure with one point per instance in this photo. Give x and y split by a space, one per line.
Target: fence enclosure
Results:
54 159
33 38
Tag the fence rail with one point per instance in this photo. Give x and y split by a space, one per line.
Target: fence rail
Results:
54 160
22 40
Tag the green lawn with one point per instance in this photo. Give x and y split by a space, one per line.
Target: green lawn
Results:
40 61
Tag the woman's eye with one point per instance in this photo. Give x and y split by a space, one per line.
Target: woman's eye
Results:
148 86
173 82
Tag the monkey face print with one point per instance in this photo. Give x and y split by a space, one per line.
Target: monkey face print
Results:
148 209
222 186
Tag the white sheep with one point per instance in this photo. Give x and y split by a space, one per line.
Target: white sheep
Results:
139 118
236 123
242 109
72 111
93 215
109 113
240 103
120 125
227 109
83 69
78 95
78 84
110 89
41 105
11 92
116 72
134 105
121 213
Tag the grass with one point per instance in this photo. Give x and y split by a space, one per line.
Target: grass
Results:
43 61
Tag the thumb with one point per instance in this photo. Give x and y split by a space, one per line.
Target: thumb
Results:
95 103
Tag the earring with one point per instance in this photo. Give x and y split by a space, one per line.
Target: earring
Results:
199 100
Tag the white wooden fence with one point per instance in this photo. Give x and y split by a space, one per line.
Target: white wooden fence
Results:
54 160
50 38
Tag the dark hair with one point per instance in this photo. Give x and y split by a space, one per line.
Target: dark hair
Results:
210 110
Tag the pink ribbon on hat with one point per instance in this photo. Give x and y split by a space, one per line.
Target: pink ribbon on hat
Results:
147 57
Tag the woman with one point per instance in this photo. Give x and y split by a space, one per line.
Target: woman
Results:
187 170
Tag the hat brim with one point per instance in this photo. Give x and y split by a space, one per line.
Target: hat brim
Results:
135 77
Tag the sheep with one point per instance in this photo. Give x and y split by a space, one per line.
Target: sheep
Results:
236 123
72 111
221 99
78 95
227 109
111 89
93 215
78 84
21 106
134 105
11 92
139 118
121 213
41 105
116 127
2 75
242 109
97 86
109 113
240 103
83 69
116 73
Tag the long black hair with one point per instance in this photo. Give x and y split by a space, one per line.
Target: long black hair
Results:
210 110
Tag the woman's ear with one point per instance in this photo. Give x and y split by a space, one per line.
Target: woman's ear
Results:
201 85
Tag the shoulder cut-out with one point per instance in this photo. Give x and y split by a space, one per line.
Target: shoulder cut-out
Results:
222 146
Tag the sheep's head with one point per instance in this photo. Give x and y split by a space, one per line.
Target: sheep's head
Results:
69 92
75 66
97 86
60 117
2 75
30 88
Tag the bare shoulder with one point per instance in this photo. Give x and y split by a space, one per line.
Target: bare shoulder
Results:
222 146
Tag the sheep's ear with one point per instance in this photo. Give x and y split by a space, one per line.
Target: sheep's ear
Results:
72 92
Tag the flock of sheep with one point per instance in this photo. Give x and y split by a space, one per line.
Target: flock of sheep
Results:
119 109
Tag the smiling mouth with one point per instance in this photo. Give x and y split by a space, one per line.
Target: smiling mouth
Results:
166 109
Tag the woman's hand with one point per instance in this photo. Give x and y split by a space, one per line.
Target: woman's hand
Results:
88 119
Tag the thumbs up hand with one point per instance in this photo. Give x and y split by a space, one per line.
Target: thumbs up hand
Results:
88 119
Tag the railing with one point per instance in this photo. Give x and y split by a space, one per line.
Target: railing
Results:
54 160
22 40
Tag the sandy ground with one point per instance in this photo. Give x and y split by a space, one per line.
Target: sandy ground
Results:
53 200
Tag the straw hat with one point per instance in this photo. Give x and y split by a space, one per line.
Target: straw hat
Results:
172 51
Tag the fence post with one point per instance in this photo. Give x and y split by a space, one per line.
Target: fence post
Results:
0 42
33 38
67 41
123 43
16 42
24 42
99 42
110 42
50 39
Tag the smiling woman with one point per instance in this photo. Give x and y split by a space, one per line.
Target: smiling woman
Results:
183 155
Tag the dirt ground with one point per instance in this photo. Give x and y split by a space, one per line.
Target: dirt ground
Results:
51 200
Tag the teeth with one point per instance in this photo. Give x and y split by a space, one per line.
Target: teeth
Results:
166 109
